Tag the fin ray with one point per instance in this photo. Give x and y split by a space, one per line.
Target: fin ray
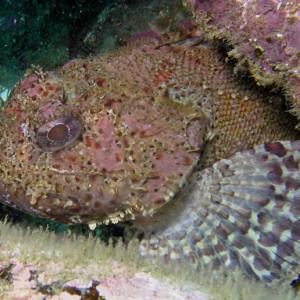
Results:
243 211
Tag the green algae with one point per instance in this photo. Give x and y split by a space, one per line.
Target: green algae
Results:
39 33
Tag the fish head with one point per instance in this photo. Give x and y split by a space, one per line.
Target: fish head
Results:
75 153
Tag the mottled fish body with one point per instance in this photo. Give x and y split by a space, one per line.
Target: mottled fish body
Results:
114 138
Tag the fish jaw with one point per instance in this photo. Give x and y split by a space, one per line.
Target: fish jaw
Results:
124 159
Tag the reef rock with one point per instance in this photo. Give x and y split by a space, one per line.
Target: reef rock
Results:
263 35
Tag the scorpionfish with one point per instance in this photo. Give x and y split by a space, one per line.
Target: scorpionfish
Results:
167 137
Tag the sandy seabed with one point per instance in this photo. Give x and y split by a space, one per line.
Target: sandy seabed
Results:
37 264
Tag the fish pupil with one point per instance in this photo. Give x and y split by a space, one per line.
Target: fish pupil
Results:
58 133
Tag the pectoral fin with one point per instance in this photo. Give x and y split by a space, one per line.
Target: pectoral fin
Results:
242 212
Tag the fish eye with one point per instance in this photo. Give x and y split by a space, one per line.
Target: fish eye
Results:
57 134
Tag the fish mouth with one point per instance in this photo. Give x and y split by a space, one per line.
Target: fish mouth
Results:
61 208
8 198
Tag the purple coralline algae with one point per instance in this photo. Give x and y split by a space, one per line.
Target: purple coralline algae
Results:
264 36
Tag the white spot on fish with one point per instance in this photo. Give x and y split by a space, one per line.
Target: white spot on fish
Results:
24 128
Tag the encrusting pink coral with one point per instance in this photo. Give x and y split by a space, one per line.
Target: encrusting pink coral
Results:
263 36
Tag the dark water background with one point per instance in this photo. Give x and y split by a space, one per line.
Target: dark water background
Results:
43 33
49 33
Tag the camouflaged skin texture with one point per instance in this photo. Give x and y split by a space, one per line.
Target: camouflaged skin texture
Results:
113 138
